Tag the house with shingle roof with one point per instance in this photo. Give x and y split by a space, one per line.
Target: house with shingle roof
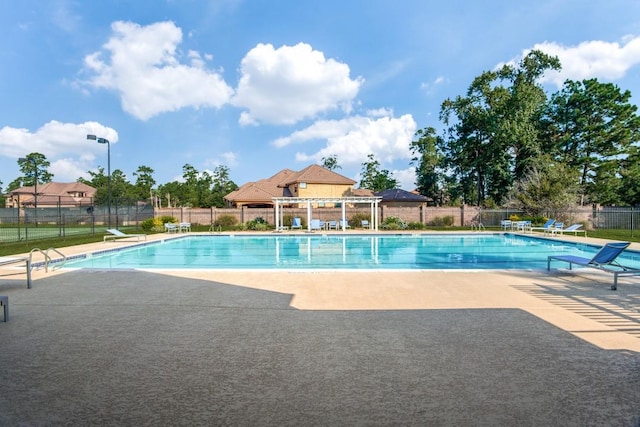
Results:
314 181
52 194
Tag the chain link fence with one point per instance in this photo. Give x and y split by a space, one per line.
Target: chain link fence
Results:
26 224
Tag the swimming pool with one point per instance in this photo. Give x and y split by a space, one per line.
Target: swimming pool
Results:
343 252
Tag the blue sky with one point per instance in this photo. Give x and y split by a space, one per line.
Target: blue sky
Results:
260 86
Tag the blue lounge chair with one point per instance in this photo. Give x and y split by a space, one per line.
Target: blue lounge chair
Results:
316 224
604 260
296 223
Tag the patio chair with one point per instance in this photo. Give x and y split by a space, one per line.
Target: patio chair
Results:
574 228
365 223
316 224
117 234
296 223
170 227
604 260
344 223
333 225
506 224
184 227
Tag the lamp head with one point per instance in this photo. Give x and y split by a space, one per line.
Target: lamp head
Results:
99 140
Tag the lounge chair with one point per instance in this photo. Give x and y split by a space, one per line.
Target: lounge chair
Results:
117 234
506 224
365 223
170 227
184 227
333 225
574 228
546 226
344 224
604 260
296 223
316 224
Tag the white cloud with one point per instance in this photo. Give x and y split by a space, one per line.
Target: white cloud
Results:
406 177
291 83
144 68
353 139
225 159
65 145
590 59
428 87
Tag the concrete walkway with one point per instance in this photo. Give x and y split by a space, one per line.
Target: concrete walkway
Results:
349 348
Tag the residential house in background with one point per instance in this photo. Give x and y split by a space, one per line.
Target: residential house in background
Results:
52 195
314 181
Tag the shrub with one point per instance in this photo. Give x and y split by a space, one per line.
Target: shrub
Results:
442 221
415 226
393 223
168 218
152 224
357 218
258 224
225 221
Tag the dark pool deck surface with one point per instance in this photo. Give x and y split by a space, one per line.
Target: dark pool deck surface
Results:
139 348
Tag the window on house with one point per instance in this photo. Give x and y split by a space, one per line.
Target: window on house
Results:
303 185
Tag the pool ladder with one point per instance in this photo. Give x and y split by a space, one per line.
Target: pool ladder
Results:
477 226
47 257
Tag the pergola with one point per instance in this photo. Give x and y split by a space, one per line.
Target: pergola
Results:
309 201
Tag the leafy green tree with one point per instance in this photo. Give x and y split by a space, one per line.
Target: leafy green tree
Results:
32 165
630 177
374 178
144 182
222 185
591 126
548 187
427 161
171 194
492 132
330 162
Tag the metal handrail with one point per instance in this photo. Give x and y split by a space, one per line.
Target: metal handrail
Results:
47 257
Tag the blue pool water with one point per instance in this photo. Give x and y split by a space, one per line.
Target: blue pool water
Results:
432 252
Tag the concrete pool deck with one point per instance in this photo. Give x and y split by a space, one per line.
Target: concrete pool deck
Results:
319 348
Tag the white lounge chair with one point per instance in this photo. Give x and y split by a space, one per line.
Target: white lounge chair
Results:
574 228
170 227
547 225
364 223
117 234
184 227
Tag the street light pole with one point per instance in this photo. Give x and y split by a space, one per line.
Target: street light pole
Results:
106 141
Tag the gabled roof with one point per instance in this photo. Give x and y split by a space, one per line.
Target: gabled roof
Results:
277 185
316 174
398 195
57 189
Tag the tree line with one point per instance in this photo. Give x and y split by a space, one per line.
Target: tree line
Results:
198 188
505 142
